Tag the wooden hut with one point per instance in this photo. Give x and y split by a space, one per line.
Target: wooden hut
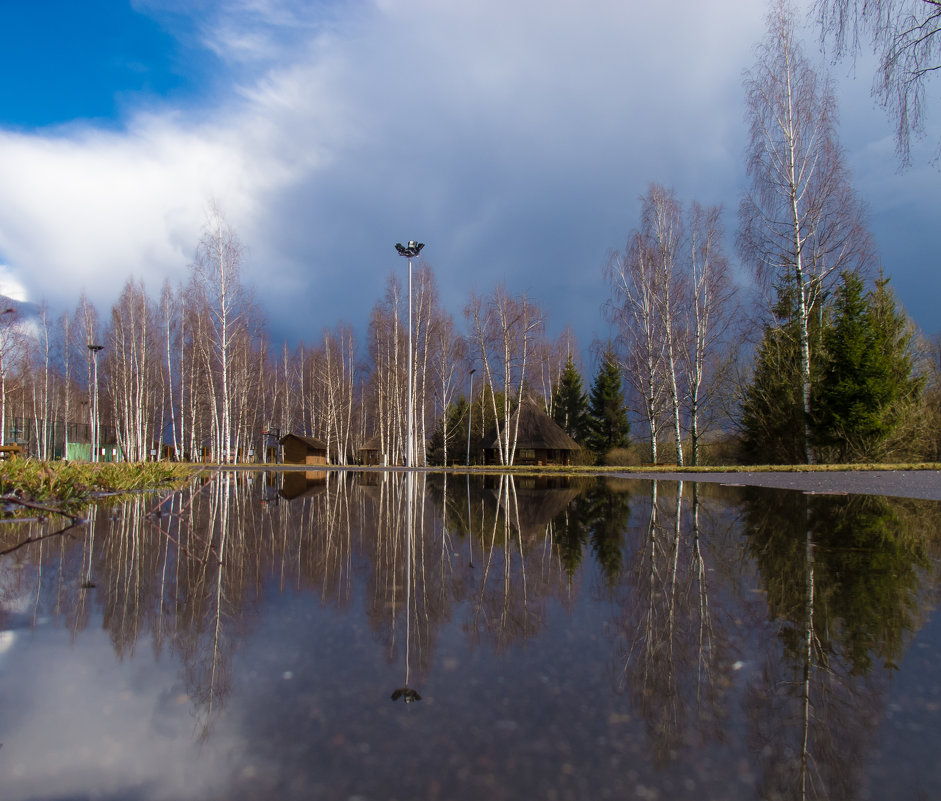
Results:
539 440
370 452
303 450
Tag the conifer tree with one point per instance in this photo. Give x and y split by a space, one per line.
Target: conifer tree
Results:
866 379
570 405
772 411
773 421
608 426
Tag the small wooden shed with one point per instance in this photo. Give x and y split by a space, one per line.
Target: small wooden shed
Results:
540 440
370 452
303 450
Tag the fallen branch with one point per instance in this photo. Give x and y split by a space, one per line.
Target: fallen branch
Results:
41 507
30 540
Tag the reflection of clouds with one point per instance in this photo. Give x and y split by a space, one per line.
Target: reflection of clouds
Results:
77 722
303 641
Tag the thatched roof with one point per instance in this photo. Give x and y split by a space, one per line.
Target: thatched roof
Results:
537 431
372 444
310 442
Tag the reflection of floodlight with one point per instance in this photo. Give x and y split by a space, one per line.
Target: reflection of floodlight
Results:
407 694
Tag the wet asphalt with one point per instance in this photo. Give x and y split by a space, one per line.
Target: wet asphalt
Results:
924 484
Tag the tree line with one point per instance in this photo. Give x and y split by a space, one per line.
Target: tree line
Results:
813 360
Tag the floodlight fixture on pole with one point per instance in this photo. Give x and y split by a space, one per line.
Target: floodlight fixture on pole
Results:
95 432
409 251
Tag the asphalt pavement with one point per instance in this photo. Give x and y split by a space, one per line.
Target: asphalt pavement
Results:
924 484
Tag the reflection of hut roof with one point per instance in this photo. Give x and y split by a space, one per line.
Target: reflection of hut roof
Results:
538 507
537 431
311 442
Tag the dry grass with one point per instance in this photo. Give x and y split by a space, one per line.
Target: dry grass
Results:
76 483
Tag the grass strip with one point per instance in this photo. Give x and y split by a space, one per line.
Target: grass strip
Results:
71 484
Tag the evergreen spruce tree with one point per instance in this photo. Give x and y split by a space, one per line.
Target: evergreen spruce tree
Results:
570 404
773 407
608 426
772 412
866 378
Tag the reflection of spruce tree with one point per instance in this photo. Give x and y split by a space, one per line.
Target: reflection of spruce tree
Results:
842 584
868 574
865 571
570 531
609 513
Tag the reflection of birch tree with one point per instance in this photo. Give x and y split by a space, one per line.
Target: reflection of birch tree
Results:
519 569
669 653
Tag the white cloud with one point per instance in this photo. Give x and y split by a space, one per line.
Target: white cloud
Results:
10 285
514 138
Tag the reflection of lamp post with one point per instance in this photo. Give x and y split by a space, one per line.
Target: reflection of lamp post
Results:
470 413
94 355
410 250
405 692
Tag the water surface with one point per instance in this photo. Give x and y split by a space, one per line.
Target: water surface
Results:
375 636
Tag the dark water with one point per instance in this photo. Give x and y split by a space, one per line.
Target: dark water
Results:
264 636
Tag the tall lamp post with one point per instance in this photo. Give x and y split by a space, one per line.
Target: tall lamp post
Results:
409 251
470 413
94 432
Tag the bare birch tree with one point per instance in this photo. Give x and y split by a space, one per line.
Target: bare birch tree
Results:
906 38
217 269
708 311
448 362
11 350
800 222
387 379
133 374
505 333
662 227
633 310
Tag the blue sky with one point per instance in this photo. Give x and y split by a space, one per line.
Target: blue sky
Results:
513 138
96 60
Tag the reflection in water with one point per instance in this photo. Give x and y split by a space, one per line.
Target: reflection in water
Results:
761 631
842 579
671 656
406 693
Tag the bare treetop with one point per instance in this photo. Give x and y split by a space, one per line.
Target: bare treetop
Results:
904 37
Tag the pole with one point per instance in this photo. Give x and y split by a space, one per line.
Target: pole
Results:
412 249
470 413
409 434
95 433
